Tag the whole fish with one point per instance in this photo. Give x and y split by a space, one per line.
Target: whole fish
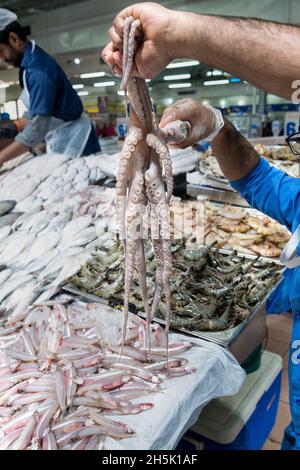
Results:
53 267
42 261
4 275
74 227
16 246
82 238
70 267
4 233
12 284
26 216
6 206
42 245
58 223
34 220
21 297
9 219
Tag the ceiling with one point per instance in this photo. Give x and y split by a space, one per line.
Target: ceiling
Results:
79 30
31 7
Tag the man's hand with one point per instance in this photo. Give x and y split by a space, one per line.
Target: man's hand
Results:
158 48
236 156
12 151
202 120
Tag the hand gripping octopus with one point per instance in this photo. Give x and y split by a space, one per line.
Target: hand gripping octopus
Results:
145 162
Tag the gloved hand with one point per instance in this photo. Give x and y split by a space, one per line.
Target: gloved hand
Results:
203 123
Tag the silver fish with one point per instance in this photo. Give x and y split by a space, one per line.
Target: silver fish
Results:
74 227
13 284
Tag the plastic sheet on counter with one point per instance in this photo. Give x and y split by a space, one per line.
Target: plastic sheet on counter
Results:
178 407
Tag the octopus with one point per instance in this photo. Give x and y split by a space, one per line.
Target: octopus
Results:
145 167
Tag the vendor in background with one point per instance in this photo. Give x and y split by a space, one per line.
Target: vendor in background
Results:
55 111
266 127
263 53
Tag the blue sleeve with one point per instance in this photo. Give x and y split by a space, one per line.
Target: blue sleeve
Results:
271 191
42 91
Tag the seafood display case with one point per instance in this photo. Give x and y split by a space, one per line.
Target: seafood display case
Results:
241 340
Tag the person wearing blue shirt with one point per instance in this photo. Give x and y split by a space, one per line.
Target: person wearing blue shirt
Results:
55 112
267 55
265 188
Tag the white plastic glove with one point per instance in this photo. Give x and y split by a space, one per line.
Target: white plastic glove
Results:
187 122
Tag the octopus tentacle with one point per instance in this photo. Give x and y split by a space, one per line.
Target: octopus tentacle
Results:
134 26
126 29
135 135
141 269
136 102
156 196
167 255
140 188
162 150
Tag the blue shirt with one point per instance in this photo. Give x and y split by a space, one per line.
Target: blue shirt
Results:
51 92
278 195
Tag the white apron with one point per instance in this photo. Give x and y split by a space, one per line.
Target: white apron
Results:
289 255
69 138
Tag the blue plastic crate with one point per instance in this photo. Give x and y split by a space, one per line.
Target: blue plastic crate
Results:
227 423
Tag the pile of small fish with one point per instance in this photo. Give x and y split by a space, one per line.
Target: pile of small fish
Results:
62 378
46 246
22 181
68 177
210 291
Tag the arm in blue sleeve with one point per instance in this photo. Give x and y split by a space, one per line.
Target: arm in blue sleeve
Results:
42 92
271 191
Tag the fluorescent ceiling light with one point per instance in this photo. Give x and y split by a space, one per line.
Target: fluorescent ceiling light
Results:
216 82
78 87
83 93
214 73
4 85
217 73
183 76
92 75
148 80
187 63
121 93
180 85
104 84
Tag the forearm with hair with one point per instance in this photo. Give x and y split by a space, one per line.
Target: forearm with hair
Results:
264 53
35 131
235 155
12 151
